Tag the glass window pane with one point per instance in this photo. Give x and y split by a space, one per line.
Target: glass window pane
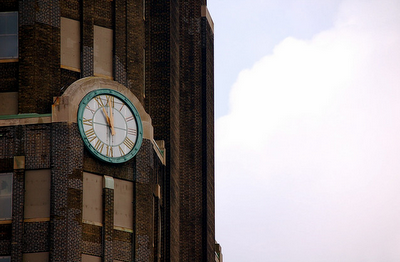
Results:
9 46
9 35
12 23
5 259
3 27
5 196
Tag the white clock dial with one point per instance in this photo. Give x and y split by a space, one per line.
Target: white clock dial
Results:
110 126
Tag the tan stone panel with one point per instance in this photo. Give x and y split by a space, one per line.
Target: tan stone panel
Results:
9 103
70 44
88 258
123 203
92 198
103 50
36 257
37 193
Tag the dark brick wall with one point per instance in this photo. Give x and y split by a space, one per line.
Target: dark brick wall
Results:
122 245
39 55
162 103
71 9
36 237
5 239
207 40
66 193
9 77
9 5
92 240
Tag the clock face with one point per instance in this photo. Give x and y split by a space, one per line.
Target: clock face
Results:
110 125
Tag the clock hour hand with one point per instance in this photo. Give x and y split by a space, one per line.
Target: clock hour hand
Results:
106 115
111 118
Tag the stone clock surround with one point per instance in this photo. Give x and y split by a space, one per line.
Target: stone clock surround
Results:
65 107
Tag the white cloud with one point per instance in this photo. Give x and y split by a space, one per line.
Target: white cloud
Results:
308 159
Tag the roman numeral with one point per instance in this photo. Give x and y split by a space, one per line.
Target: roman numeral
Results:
99 146
110 99
109 151
88 122
121 107
121 151
99 101
90 134
91 110
129 118
129 143
132 131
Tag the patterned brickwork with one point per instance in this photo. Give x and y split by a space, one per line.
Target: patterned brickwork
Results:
123 171
103 13
70 9
36 237
5 239
120 42
66 228
135 41
92 240
207 40
39 63
122 245
9 77
162 103
7 142
108 224
87 24
67 78
144 161
191 154
17 215
37 155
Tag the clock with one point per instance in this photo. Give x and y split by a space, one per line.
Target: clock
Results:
110 125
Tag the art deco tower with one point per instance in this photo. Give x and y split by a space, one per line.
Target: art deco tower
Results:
106 131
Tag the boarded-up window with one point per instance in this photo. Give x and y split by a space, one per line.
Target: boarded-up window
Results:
6 180
92 198
103 51
88 258
37 193
9 103
123 203
36 257
70 44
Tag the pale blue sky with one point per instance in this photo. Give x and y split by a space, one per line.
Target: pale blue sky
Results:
247 30
307 98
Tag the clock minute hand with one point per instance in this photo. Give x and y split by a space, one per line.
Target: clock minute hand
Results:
105 113
111 118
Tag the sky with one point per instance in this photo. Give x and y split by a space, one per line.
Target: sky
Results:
307 130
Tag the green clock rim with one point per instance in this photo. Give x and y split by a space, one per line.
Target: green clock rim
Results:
85 100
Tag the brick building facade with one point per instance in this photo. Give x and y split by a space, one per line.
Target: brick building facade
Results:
58 201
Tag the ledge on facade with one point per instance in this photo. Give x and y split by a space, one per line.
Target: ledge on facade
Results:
24 119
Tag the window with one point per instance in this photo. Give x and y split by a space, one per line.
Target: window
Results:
92 198
123 204
70 44
5 259
6 197
37 194
8 35
103 51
